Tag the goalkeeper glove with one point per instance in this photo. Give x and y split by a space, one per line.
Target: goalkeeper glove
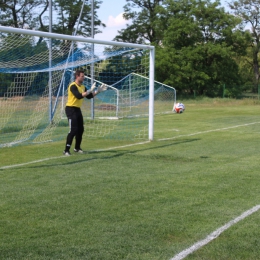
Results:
101 88
92 88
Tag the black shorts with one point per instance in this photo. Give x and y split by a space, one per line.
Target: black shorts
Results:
75 119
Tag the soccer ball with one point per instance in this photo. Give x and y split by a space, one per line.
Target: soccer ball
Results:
179 108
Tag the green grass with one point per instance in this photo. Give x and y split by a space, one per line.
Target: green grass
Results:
146 201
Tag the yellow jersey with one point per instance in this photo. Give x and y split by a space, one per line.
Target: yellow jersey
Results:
75 97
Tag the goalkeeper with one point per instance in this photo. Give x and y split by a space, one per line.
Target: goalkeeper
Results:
76 92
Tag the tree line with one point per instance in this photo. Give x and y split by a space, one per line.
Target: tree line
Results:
200 46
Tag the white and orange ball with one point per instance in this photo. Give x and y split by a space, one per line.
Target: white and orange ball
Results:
179 108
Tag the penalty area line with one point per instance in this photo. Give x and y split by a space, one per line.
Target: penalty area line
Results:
208 131
214 234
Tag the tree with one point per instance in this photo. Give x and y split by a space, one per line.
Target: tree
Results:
143 15
198 48
32 14
249 12
22 13
68 13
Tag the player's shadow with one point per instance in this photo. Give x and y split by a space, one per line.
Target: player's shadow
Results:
113 153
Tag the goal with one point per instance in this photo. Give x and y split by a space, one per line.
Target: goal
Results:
37 67
124 98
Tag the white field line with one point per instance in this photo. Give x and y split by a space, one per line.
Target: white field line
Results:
214 234
63 157
208 131
23 164
124 146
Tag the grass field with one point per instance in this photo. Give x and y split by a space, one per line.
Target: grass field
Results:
139 201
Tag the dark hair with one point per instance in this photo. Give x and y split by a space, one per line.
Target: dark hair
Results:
78 72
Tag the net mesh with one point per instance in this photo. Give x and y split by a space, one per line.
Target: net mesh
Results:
33 89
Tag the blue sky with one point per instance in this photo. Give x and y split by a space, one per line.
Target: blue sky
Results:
110 13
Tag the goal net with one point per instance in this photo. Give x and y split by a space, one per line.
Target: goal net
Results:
36 69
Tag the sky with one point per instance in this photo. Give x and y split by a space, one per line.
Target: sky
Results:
111 14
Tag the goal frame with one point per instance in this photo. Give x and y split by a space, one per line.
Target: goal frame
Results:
113 43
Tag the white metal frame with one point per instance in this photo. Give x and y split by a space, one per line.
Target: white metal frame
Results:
91 40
